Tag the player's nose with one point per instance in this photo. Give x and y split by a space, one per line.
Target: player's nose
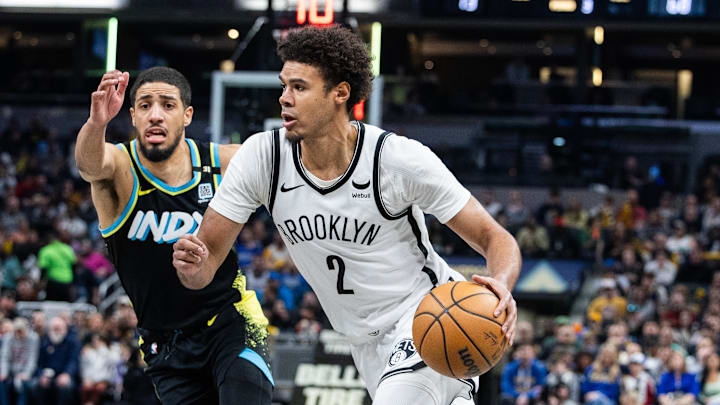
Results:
285 98
156 113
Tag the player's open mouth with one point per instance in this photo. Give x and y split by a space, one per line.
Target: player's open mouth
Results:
155 135
288 120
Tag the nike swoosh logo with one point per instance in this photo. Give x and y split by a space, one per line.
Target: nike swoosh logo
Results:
361 186
212 321
284 189
148 191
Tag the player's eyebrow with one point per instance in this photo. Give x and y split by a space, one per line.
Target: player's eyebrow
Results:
164 96
293 80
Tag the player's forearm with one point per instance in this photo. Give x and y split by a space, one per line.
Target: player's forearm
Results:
503 258
90 151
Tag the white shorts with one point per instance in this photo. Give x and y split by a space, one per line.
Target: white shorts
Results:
393 353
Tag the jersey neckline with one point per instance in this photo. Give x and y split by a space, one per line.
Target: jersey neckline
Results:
296 152
161 185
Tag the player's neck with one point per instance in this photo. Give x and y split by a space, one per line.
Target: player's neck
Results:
175 170
328 156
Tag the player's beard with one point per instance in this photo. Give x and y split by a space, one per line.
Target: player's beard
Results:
294 137
158 153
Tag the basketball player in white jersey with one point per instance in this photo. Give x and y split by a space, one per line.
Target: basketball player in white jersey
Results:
349 201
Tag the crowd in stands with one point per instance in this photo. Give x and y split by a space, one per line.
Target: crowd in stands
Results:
650 334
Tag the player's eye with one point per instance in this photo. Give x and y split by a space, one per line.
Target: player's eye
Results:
299 87
169 106
282 86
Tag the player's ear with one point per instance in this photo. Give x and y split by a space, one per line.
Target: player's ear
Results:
342 92
132 115
188 115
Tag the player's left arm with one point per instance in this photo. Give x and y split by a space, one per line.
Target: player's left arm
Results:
226 153
477 227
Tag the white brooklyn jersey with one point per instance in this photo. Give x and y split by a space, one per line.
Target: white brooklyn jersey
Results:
368 263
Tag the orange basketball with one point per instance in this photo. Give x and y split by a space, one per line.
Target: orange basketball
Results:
455 331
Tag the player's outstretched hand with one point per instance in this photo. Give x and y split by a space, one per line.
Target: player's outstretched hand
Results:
189 254
108 99
507 303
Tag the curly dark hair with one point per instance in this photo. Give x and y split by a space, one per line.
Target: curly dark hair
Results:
163 74
340 54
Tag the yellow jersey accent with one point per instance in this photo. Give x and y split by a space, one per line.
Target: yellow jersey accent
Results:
143 192
140 343
249 307
212 321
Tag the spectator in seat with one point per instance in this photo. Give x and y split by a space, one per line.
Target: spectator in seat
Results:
608 300
98 364
523 378
516 211
57 259
54 381
663 269
638 387
18 359
680 242
632 214
677 387
602 378
533 239
710 382
561 376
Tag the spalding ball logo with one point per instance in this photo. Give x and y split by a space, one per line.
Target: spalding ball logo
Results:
402 350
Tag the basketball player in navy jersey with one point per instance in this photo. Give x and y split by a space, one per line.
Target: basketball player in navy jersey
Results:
349 201
201 347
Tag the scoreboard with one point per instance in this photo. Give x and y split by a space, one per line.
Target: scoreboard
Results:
580 9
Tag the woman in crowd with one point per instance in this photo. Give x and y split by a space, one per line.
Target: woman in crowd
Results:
602 378
677 387
710 383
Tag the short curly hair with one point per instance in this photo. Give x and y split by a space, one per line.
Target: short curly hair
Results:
340 54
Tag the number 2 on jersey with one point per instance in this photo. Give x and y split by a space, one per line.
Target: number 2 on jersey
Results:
331 260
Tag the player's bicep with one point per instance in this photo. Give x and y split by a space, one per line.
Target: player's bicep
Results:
226 153
112 158
218 233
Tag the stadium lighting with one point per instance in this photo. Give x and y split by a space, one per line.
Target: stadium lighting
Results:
111 57
78 4
597 77
587 6
375 42
599 35
233 33
562 6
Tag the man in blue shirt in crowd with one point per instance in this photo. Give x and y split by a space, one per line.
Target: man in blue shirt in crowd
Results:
523 379
57 366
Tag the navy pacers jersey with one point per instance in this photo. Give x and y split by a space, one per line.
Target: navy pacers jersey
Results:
140 244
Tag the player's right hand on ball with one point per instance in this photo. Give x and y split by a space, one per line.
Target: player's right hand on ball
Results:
108 99
189 254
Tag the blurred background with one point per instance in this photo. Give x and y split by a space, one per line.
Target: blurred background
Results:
588 128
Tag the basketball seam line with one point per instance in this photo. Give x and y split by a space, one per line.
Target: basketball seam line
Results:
455 303
447 311
447 359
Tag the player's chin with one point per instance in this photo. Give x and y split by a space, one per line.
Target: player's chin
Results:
294 136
